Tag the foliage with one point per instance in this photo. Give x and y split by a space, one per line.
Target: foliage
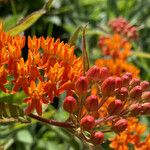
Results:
64 18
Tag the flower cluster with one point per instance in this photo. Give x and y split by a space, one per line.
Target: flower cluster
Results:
51 68
122 26
130 98
115 46
131 137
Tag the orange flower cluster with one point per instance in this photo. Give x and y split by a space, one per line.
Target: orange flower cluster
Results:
115 46
117 65
131 137
51 68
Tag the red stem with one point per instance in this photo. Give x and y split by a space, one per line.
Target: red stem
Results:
50 121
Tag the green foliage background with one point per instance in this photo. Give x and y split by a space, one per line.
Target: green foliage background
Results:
60 22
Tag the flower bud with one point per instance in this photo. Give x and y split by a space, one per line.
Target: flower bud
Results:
91 103
146 96
146 108
104 73
108 86
93 74
125 80
129 75
69 104
81 85
87 123
120 125
135 109
135 93
118 83
115 107
134 82
144 85
122 93
97 138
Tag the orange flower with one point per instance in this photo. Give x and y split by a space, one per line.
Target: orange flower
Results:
115 46
3 79
130 136
36 97
118 67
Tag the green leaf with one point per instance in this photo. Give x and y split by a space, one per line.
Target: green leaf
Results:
75 35
84 52
12 98
25 136
11 113
29 20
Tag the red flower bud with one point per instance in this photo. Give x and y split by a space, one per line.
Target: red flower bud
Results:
97 138
115 107
93 74
134 82
81 85
146 96
87 123
144 85
118 83
122 93
125 80
146 108
70 104
120 125
104 73
129 75
108 86
91 103
135 109
135 93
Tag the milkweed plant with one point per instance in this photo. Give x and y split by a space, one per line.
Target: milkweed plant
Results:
106 96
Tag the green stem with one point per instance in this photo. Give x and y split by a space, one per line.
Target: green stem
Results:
13 7
141 54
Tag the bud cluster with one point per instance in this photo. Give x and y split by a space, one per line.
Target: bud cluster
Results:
131 97
120 25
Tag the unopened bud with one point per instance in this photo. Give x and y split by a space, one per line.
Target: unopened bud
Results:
129 75
134 82
118 83
70 104
91 103
146 96
146 108
87 123
97 138
120 125
81 85
104 73
115 107
108 86
135 93
122 93
144 85
135 109
93 74
125 80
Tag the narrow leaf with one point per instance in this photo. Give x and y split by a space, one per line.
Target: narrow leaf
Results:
29 20
75 35
84 52
11 113
48 5
26 22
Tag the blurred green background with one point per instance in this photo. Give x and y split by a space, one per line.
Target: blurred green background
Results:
60 22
